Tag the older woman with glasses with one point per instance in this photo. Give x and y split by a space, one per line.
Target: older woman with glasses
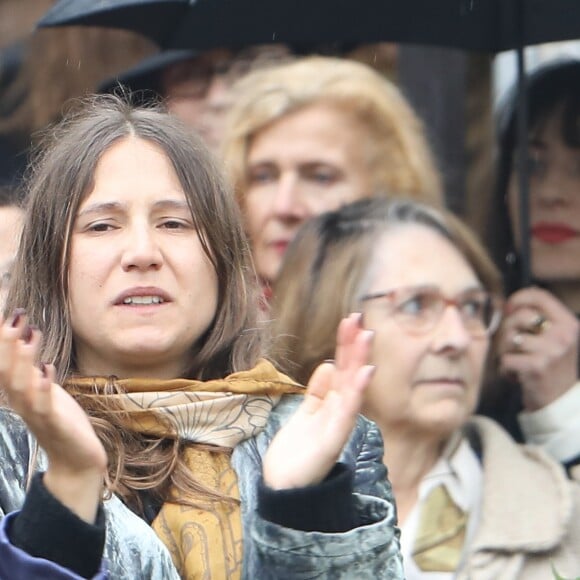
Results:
471 502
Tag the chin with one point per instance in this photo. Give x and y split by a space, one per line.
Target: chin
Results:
555 265
553 273
445 421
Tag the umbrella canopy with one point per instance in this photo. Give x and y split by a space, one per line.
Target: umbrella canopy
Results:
155 19
482 25
479 25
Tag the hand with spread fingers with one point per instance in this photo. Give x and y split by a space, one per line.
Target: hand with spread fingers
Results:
538 344
327 416
77 459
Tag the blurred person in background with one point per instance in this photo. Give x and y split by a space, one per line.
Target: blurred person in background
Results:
472 504
538 398
309 136
195 85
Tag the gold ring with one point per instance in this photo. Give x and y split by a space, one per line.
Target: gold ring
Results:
538 325
518 341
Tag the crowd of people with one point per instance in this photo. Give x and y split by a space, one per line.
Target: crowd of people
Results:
242 337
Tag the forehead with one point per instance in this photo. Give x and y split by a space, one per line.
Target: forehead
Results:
313 132
409 255
134 170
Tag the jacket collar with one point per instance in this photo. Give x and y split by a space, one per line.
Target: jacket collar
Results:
527 498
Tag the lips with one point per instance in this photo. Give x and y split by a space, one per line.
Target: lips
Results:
442 381
280 246
141 292
553 233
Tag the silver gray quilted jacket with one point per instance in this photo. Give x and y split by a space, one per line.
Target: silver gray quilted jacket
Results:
133 551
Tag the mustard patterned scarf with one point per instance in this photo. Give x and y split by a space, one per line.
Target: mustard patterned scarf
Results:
205 542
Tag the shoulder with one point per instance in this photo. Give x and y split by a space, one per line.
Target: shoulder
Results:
501 451
520 474
529 505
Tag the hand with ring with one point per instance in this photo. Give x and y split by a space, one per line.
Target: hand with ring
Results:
538 343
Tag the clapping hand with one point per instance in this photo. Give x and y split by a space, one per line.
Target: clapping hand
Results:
305 450
77 459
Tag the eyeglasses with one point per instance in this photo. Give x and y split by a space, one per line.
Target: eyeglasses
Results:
417 309
192 79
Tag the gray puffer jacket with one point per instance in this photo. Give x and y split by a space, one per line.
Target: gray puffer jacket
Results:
134 552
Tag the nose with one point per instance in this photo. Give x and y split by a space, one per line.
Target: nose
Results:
141 251
450 333
287 202
551 190
217 97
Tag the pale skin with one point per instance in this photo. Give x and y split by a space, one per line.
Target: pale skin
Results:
307 162
426 385
134 236
546 364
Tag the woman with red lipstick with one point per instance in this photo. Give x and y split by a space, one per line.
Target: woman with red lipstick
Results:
538 344
471 502
155 441
308 137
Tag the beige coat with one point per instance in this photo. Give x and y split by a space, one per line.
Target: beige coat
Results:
531 513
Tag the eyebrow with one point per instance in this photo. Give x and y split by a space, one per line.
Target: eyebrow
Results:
116 206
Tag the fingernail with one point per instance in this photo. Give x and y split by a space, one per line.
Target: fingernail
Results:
358 317
372 371
329 361
16 316
43 369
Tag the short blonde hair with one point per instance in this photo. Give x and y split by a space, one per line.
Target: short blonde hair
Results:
398 154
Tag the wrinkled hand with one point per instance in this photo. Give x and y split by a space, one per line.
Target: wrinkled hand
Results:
542 355
77 459
306 449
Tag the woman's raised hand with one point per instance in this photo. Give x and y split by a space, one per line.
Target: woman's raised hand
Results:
538 343
77 459
305 450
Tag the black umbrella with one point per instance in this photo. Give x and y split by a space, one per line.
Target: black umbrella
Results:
481 25
485 25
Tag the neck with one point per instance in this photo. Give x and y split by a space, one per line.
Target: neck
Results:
568 292
144 369
409 456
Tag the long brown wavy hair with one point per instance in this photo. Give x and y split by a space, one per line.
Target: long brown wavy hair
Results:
61 176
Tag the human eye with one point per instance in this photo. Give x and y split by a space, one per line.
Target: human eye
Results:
175 224
262 175
322 174
415 304
99 227
475 307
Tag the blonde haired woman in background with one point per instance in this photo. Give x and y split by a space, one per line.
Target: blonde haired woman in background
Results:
309 136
